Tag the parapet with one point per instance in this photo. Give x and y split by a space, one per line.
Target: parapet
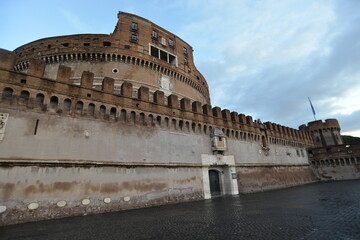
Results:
320 125
173 108
7 59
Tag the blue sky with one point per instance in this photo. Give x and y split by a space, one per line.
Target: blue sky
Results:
260 58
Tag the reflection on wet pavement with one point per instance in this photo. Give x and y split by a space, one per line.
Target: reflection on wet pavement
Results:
317 211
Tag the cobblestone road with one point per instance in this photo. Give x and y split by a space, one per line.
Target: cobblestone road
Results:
316 211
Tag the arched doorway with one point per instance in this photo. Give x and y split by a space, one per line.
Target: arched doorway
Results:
214 183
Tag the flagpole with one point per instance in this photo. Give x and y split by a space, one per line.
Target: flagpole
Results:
312 108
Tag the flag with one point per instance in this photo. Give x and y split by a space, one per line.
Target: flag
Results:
312 108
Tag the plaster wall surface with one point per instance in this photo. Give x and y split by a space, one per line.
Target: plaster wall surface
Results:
88 190
252 153
65 138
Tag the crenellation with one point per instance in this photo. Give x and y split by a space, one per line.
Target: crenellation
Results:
249 121
196 107
185 104
36 68
7 59
207 110
126 89
226 114
108 85
173 101
216 112
159 97
235 117
64 73
87 79
143 94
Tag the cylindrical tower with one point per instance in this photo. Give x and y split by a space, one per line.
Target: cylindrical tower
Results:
138 51
324 133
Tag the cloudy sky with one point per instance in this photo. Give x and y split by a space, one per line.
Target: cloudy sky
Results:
260 57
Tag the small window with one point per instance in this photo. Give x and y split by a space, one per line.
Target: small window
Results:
185 51
127 46
86 44
107 44
23 81
154 34
186 61
163 41
171 43
49 46
65 44
134 27
133 38
198 78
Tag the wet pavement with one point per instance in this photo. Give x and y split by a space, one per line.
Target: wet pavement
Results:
317 211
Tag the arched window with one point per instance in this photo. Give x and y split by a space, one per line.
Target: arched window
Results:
54 101
39 99
102 111
193 127
167 122
7 93
113 112
24 96
123 114
158 121
67 105
174 124
181 125
151 119
79 107
91 109
142 118
133 117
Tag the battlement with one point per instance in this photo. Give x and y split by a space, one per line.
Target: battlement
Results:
31 91
329 124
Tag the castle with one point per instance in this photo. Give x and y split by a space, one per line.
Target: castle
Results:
93 123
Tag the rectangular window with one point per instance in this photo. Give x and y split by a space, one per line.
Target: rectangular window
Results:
154 52
163 56
172 59
186 61
154 34
171 43
133 38
163 41
107 44
134 27
185 51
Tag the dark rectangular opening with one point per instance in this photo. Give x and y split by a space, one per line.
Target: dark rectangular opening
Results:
86 44
65 44
36 126
163 55
107 44
23 81
133 38
172 59
154 52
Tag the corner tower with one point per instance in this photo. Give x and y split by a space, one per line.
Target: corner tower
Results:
324 133
138 51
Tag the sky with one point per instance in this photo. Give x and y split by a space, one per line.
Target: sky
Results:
263 58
